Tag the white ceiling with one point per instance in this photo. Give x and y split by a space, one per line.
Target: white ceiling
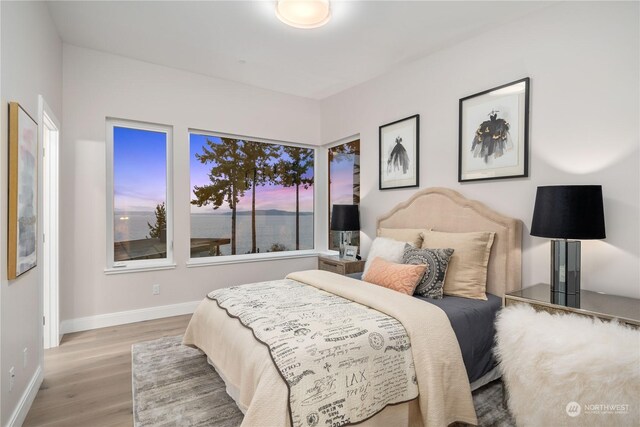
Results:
243 41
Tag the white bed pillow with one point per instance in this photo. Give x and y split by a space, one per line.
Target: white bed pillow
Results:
388 249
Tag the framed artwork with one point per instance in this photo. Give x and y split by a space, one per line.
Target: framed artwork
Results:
399 153
494 133
350 252
23 191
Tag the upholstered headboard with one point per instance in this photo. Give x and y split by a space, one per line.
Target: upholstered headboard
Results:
442 209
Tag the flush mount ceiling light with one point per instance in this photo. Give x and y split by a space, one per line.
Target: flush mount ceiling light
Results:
304 13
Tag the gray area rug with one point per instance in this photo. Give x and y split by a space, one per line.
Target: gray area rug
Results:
173 385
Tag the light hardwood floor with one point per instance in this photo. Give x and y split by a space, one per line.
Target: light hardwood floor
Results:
87 379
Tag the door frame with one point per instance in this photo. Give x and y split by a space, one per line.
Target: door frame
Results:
49 136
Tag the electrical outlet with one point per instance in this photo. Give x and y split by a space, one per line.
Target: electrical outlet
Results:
25 357
156 289
12 377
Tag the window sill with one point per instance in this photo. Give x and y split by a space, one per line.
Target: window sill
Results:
138 269
330 252
241 259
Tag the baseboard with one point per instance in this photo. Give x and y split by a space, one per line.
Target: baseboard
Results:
21 411
124 317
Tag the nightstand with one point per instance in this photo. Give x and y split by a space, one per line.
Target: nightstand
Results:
594 304
339 265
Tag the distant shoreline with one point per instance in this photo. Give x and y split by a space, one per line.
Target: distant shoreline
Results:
262 212
274 228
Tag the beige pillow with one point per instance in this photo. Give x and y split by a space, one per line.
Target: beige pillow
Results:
401 278
411 235
467 270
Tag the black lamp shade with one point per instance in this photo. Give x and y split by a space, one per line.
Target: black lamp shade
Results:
345 218
569 212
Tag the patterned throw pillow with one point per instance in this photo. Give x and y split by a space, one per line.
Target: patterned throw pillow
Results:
436 260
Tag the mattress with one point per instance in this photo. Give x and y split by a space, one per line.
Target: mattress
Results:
473 323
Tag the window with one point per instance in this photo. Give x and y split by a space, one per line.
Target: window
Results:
344 183
139 194
249 196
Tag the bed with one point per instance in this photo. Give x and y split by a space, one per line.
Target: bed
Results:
452 366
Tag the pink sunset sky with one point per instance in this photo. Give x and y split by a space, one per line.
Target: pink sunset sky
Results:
272 196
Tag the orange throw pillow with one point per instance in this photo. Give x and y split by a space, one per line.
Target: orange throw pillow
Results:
399 277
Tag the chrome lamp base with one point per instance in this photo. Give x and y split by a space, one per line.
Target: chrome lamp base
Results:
565 273
345 240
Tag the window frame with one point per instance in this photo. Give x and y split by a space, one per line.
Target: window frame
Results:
328 147
263 256
138 265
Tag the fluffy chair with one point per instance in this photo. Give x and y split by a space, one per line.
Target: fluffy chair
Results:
568 370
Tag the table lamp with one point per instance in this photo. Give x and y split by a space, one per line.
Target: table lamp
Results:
345 219
565 212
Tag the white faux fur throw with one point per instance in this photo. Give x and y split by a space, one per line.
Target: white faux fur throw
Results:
568 370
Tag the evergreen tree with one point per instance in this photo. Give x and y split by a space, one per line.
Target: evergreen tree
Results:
293 171
257 171
161 222
228 182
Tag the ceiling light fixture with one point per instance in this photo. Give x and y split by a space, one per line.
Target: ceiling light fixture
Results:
304 13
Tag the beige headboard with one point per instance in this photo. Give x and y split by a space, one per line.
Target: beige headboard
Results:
446 210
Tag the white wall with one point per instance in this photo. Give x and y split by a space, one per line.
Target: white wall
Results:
97 85
31 64
583 62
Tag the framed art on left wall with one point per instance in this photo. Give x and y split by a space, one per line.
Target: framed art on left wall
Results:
23 192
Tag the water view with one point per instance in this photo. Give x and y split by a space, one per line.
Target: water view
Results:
246 196
275 230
